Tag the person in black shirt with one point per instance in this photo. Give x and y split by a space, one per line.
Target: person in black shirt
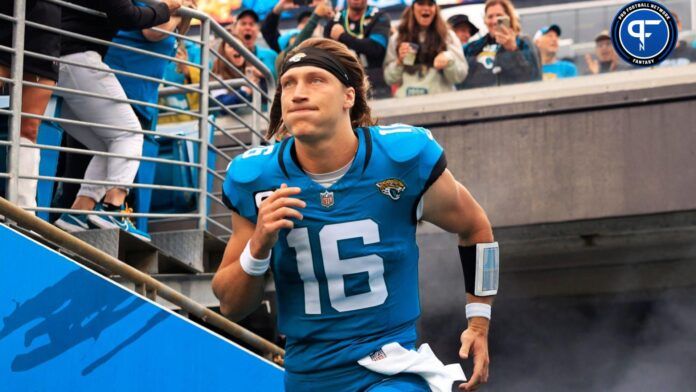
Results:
365 30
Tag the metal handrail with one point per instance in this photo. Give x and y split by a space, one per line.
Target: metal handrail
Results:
101 258
202 91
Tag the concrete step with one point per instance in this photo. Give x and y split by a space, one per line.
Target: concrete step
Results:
199 249
144 256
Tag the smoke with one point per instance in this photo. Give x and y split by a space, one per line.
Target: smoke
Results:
629 342
618 343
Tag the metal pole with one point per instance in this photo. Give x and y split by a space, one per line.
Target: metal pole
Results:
99 257
255 123
693 15
17 70
203 126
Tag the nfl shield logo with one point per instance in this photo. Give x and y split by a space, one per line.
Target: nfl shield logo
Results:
327 199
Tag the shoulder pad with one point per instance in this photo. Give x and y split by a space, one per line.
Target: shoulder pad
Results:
402 142
372 11
248 166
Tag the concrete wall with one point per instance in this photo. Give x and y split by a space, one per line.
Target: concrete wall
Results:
609 145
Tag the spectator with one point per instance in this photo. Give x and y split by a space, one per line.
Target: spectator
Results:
607 60
424 57
225 72
246 27
262 8
121 14
303 17
142 64
502 56
546 39
269 29
34 99
462 26
182 74
323 10
683 53
365 30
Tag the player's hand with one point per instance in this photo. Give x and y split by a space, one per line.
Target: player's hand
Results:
336 31
442 60
275 214
475 341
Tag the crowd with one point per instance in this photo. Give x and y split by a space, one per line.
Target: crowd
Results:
424 54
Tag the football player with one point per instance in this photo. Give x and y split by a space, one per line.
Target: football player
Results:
332 210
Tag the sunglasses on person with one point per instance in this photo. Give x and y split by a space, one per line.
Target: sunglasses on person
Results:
424 2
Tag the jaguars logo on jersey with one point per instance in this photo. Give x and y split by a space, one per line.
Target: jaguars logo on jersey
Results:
391 187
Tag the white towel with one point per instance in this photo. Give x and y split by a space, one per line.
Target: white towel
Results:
393 359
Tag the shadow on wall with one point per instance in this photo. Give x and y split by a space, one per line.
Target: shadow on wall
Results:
69 313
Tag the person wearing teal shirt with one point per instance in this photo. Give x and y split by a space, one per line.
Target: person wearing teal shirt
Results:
246 28
546 39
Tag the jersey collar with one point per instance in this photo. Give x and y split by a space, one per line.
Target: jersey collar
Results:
289 164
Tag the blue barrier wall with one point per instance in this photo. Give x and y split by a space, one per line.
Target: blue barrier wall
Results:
63 327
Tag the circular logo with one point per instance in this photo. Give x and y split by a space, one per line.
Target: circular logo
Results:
644 33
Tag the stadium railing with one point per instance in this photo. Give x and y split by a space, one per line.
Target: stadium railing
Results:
210 30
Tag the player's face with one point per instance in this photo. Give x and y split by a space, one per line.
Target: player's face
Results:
313 102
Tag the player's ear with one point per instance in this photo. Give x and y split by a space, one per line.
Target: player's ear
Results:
349 98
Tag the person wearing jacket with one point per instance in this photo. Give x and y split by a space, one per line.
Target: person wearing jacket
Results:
502 56
364 29
437 58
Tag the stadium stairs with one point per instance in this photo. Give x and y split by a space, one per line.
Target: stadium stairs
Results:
69 323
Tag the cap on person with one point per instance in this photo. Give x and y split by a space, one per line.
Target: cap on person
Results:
604 34
248 12
458 20
545 30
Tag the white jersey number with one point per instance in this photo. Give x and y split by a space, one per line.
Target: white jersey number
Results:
336 268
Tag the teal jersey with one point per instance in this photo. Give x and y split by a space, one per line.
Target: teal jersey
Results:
346 276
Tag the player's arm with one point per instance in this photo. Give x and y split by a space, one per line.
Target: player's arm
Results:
239 283
450 206
239 293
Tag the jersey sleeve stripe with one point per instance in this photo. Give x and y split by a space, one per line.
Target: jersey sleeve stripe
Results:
437 171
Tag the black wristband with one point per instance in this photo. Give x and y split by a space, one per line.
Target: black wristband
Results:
467 254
